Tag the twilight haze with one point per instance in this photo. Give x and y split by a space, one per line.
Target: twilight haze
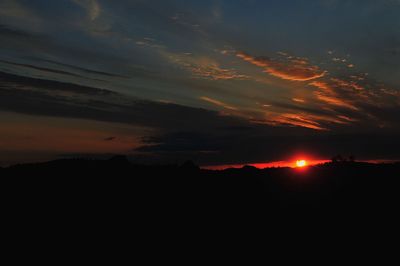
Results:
215 81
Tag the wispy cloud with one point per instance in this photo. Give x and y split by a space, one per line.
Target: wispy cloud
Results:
44 69
78 68
15 10
301 120
308 120
298 100
92 6
200 66
218 103
351 85
332 100
328 95
294 69
204 67
211 70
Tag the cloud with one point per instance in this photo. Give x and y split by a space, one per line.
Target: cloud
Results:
309 120
52 98
298 100
176 131
332 100
25 43
351 85
19 84
55 71
92 6
301 120
214 72
7 31
294 69
200 66
204 67
218 103
81 69
188 66
14 12
346 92
328 95
359 101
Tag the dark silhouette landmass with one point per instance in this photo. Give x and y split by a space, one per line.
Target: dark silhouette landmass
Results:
338 187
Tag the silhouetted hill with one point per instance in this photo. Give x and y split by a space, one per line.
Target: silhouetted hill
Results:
333 186
159 197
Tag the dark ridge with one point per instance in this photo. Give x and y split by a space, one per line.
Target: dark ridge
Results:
333 186
123 197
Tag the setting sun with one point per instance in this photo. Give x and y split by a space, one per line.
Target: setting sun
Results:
301 163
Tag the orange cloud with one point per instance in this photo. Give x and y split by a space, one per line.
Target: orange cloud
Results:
328 95
301 120
298 100
204 67
346 84
218 103
200 66
92 6
214 72
322 85
346 118
295 69
332 100
308 120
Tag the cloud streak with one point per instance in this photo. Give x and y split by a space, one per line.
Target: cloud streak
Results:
294 69
327 94
204 67
218 103
300 120
81 69
92 6
55 71
214 72
177 131
308 120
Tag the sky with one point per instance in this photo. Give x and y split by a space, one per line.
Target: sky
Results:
214 81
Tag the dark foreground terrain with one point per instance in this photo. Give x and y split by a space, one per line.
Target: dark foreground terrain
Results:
115 201
335 187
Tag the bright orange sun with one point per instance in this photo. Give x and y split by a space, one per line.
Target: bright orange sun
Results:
301 163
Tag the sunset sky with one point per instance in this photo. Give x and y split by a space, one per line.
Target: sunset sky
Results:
215 81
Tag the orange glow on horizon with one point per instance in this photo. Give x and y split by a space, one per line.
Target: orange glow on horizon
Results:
276 164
